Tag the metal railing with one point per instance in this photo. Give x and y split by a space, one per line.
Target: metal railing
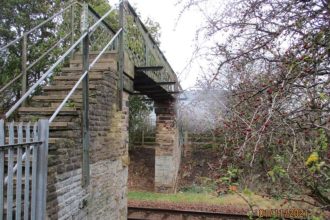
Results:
30 150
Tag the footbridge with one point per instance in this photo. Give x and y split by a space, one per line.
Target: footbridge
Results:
64 114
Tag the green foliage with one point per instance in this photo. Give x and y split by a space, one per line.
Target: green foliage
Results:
153 29
134 40
138 111
316 218
247 191
322 141
276 172
231 177
181 197
206 185
18 17
314 161
101 7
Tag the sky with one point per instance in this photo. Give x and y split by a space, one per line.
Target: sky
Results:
177 36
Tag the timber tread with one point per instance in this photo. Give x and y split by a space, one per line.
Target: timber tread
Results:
78 61
80 69
97 52
51 98
65 88
92 76
46 111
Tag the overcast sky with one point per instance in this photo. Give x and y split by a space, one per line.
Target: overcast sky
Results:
176 37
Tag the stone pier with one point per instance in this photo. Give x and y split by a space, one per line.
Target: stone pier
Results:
168 153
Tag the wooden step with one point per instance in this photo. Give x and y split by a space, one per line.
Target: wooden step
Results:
77 105
71 83
101 60
79 69
56 98
92 77
46 111
65 88
64 126
111 64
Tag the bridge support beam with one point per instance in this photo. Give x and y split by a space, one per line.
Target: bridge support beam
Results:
168 154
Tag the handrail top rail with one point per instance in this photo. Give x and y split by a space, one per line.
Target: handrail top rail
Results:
39 25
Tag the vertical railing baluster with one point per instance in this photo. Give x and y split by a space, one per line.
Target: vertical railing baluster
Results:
19 172
2 166
34 173
85 92
27 173
10 173
24 69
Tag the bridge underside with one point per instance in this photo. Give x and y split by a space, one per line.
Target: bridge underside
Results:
145 85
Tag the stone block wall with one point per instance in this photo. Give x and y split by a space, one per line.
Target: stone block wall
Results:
105 197
168 152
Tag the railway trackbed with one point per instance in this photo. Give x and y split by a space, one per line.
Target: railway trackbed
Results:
148 213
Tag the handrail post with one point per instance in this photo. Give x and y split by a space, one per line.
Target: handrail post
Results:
121 55
85 65
42 169
24 69
72 25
